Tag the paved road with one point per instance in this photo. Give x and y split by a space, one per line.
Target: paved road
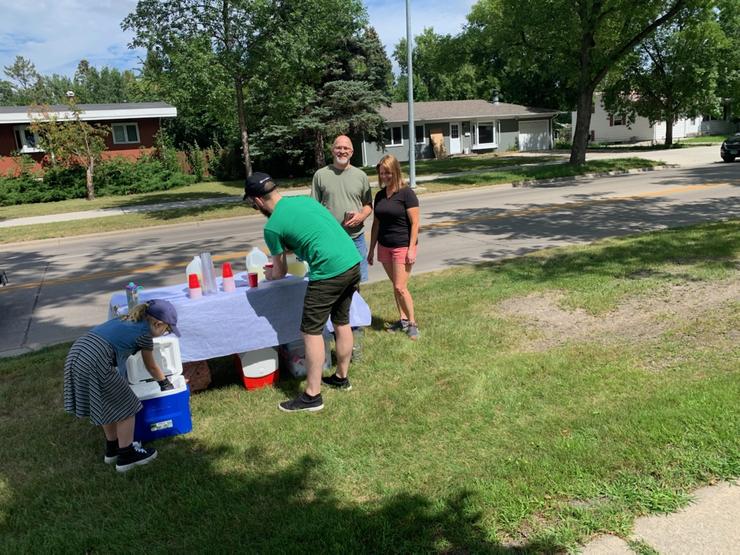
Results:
61 287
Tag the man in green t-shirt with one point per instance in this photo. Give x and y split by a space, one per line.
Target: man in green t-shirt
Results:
302 225
345 191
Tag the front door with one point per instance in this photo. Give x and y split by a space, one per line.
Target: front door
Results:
455 145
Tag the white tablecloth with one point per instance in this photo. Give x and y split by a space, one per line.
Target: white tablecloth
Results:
245 320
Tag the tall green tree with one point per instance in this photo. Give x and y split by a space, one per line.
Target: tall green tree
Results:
569 44
443 69
728 78
234 27
324 71
23 80
672 74
189 77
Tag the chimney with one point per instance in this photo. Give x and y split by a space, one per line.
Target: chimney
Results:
494 96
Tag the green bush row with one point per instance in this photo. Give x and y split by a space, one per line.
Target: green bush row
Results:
117 176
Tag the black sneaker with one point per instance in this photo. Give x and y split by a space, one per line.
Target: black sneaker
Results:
398 325
303 403
336 382
134 455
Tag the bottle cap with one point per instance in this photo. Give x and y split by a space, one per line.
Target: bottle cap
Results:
193 282
226 270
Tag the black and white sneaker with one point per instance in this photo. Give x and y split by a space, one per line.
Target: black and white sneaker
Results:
111 451
303 403
134 455
336 382
398 325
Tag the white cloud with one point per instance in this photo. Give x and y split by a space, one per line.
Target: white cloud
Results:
56 34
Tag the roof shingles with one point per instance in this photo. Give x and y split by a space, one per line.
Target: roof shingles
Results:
459 109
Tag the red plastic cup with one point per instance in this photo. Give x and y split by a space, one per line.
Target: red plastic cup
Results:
193 282
194 290
252 276
226 271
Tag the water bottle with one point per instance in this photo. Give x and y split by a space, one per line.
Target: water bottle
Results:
209 274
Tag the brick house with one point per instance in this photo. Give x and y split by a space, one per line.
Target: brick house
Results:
133 128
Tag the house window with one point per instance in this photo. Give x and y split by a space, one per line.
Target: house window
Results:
616 120
419 131
485 133
125 133
394 136
25 139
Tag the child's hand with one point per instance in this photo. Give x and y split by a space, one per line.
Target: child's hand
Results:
165 385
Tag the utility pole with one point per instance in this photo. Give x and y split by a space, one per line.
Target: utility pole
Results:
412 127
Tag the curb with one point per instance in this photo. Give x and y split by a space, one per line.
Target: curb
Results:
554 180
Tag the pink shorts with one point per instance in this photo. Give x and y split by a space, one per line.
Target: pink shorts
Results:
396 255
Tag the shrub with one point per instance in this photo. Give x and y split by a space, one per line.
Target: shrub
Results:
117 176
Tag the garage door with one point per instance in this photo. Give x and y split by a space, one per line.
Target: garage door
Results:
534 135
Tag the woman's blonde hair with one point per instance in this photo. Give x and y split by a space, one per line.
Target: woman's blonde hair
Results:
390 163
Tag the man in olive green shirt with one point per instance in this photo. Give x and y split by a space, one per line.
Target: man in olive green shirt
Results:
302 225
345 191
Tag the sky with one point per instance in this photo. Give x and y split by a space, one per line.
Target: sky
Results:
56 34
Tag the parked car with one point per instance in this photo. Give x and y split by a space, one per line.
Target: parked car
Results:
730 148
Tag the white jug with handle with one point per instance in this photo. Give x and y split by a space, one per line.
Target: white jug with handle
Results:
195 267
256 260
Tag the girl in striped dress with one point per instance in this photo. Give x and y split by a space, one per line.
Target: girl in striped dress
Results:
94 388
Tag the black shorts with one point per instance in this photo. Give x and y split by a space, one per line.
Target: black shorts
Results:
325 297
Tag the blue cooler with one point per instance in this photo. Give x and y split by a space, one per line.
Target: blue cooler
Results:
164 413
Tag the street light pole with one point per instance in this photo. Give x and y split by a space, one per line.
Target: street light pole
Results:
410 74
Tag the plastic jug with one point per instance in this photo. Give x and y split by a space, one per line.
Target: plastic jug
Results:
296 267
256 260
195 267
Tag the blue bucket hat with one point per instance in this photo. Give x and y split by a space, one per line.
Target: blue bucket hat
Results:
164 312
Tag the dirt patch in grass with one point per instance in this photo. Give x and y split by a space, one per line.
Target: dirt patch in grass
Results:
547 324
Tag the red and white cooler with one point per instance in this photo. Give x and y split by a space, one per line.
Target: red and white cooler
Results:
258 368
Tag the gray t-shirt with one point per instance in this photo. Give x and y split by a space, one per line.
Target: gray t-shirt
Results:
342 191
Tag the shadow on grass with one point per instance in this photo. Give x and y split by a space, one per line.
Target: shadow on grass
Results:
200 495
186 501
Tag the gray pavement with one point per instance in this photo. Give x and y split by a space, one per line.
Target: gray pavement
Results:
675 157
710 524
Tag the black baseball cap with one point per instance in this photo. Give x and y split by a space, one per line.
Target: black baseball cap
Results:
258 184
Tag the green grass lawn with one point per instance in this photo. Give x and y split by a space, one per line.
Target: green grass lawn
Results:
703 139
503 427
234 189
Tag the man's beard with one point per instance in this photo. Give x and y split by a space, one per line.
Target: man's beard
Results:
264 211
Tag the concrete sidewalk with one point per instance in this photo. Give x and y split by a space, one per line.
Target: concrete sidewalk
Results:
710 524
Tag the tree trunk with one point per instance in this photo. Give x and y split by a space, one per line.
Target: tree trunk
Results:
318 150
583 123
668 131
89 179
243 125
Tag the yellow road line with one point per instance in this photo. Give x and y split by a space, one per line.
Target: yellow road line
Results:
438 225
